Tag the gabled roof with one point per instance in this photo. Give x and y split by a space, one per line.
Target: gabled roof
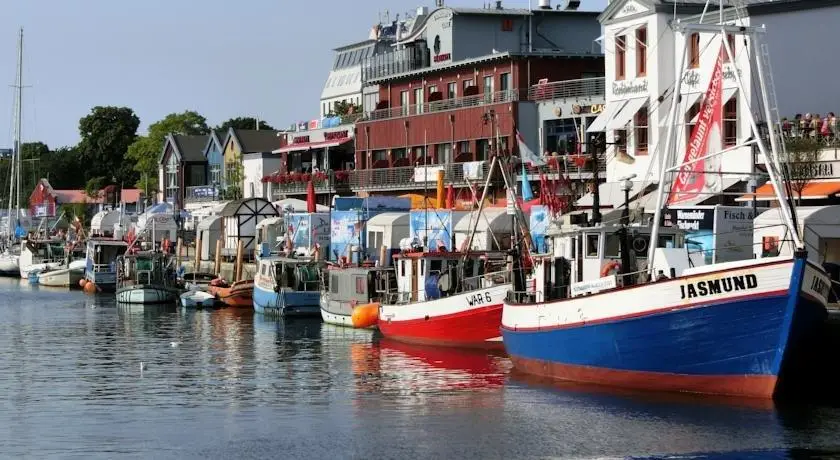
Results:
253 140
683 7
216 136
188 148
46 185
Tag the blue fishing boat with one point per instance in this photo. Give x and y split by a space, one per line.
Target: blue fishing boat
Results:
287 286
666 321
100 262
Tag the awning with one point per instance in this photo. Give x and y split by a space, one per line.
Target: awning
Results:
312 145
811 191
626 115
600 123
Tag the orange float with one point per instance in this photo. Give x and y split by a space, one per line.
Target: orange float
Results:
365 315
82 283
90 288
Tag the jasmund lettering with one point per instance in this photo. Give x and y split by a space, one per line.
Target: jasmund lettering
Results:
718 286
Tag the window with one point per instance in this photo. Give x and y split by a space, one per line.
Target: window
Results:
215 173
360 284
641 52
334 284
620 140
694 50
488 87
592 240
612 246
404 102
730 40
467 84
730 122
444 153
398 154
769 246
171 178
419 155
433 89
620 57
378 155
402 268
691 120
482 147
507 25
640 128
418 100
504 81
464 147
452 90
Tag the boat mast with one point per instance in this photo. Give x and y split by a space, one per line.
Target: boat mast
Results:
14 172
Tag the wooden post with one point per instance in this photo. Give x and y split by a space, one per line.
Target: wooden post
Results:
179 250
217 268
197 267
240 248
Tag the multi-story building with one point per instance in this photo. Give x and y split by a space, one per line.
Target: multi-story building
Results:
640 40
463 84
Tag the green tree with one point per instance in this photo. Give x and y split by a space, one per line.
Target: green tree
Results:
34 156
235 176
93 186
802 155
106 134
145 151
63 168
342 108
243 123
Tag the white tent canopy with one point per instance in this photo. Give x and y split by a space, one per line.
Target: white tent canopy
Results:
297 205
106 221
818 225
491 222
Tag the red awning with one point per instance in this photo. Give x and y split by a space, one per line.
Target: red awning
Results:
811 191
312 145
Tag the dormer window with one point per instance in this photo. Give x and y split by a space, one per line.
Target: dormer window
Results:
694 50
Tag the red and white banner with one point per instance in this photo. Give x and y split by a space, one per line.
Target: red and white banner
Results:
705 139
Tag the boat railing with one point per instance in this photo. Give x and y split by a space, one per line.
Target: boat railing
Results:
466 285
98 268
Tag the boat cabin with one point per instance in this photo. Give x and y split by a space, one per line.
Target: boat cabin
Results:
42 251
428 275
355 284
586 260
101 255
145 269
290 273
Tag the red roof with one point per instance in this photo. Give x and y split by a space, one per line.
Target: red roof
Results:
129 195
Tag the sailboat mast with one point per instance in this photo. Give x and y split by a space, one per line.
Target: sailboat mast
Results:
18 122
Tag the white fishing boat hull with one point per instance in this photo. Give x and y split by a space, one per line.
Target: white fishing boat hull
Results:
34 269
9 264
64 277
197 299
146 295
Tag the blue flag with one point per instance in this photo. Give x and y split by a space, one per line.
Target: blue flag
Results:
527 193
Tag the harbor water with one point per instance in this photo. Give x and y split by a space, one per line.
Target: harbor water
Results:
82 377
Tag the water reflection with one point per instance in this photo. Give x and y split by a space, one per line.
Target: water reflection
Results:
227 383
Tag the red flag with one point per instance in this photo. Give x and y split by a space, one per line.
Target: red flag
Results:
691 178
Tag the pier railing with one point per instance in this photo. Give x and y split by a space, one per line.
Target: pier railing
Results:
581 88
443 105
414 177
202 193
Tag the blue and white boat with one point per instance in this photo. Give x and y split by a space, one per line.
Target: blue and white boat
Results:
287 286
100 262
671 323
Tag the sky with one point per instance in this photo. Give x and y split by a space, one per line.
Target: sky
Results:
223 59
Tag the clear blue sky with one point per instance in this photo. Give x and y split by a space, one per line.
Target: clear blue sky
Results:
221 58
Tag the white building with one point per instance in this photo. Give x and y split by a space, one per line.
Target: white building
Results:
640 43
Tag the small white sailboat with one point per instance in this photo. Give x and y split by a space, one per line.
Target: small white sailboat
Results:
197 299
10 257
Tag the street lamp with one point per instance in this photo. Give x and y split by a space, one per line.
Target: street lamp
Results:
626 186
624 232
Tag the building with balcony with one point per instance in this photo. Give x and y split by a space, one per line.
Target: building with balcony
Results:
182 166
642 45
457 89
247 157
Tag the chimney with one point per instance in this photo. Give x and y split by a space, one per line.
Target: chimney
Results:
498 4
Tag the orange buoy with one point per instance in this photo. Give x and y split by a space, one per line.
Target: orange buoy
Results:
82 283
365 315
90 288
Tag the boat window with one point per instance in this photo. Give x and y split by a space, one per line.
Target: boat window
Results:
334 284
262 270
435 265
361 282
402 268
612 246
422 266
666 241
592 241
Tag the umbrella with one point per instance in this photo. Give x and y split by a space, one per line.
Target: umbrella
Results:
310 197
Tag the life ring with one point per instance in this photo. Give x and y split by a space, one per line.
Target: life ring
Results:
610 266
